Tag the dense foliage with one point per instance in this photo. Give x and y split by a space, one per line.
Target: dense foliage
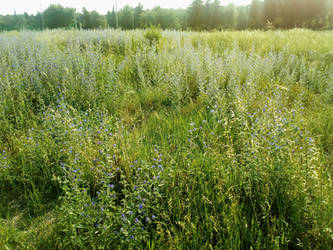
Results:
113 139
200 15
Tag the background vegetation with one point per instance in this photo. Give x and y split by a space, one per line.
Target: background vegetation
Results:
201 15
149 139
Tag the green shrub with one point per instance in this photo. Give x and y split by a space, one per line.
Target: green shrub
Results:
153 35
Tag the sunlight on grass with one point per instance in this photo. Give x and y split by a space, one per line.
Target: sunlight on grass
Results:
166 139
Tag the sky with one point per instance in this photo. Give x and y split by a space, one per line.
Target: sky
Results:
101 6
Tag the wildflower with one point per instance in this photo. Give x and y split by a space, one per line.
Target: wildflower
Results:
147 219
264 109
140 206
111 185
153 216
136 220
132 237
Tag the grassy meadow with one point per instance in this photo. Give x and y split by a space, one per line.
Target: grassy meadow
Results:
166 140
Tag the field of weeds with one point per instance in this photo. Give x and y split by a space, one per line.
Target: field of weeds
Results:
166 140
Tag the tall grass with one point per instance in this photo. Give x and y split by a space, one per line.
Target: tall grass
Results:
113 139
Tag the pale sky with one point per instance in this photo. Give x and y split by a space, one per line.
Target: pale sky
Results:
102 6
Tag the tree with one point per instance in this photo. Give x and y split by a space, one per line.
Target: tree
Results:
35 22
138 10
271 8
147 18
315 8
97 21
292 18
229 16
216 15
256 18
2 23
243 17
111 19
85 19
126 17
207 17
92 20
57 16
195 15
165 18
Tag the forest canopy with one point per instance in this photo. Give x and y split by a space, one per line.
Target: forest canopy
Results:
200 15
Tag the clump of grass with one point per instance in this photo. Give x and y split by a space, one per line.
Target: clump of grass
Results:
153 34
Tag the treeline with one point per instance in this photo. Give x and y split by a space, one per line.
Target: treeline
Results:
200 15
